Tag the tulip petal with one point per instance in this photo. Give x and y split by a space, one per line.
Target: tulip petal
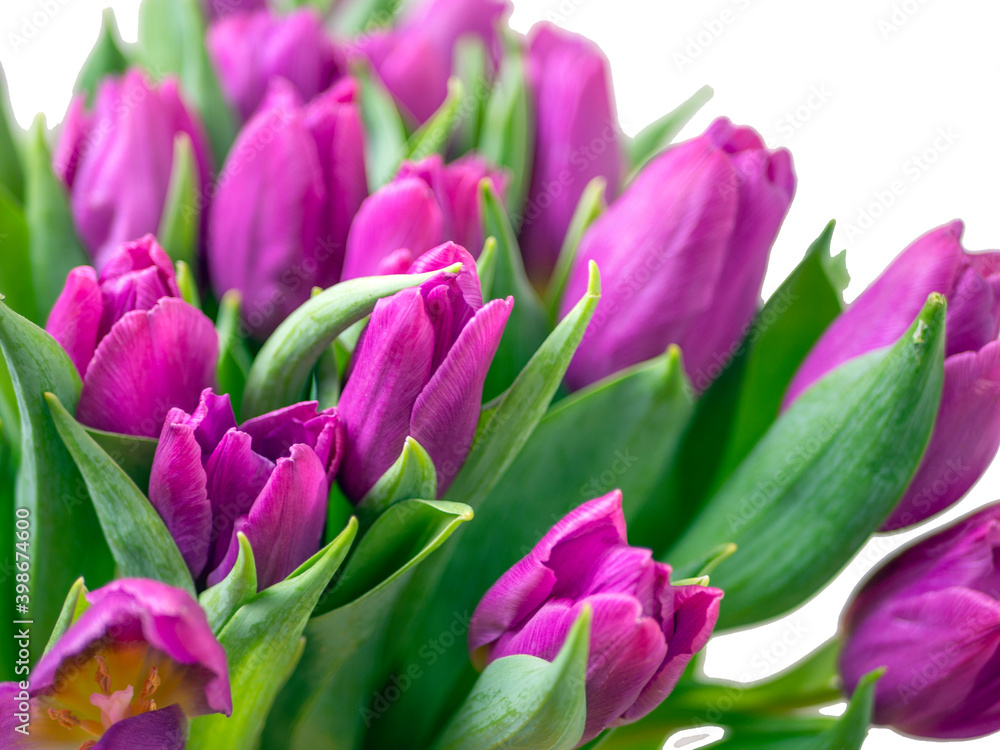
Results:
965 439
402 214
285 524
165 729
76 316
178 491
390 368
149 363
136 276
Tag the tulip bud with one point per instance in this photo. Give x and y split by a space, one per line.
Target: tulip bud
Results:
139 348
135 666
269 479
418 371
682 255
250 49
967 431
415 59
931 616
576 139
426 204
298 172
116 160
645 630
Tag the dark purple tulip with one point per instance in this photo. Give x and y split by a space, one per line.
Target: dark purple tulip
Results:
140 350
576 139
931 615
418 371
967 432
250 49
426 204
128 674
645 630
116 160
414 59
682 255
269 479
298 172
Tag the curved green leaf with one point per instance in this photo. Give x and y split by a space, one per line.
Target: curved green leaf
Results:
11 169
233 366
105 59
281 371
658 135
433 135
222 600
74 606
412 475
385 142
823 478
181 219
15 261
133 453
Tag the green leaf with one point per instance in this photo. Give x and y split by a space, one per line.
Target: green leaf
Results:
172 40
133 453
181 218
432 136
744 400
105 59
658 135
282 369
385 141
139 540
641 412
326 703
263 642
359 16
486 266
823 478
411 476
222 600
15 261
54 248
528 324
187 284
472 66
526 702
66 539
507 135
592 204
74 606
233 366
11 169
521 407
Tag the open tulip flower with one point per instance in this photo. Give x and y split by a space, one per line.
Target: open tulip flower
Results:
133 122
645 630
128 674
140 349
268 479
967 433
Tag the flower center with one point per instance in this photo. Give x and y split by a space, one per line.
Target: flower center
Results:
113 705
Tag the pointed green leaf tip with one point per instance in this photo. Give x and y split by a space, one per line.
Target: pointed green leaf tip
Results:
222 600
594 280
412 476
527 702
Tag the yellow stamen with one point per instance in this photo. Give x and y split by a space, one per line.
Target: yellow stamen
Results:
145 702
65 718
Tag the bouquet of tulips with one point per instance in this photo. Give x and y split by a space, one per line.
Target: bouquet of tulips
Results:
363 386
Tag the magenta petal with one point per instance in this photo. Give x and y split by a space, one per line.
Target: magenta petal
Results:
965 439
285 525
446 412
390 368
165 729
402 214
76 317
149 363
178 491
73 133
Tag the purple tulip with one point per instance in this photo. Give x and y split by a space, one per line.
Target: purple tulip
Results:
415 59
139 348
576 139
250 49
967 432
299 173
682 255
116 160
129 673
418 371
644 632
931 615
216 9
269 479
426 204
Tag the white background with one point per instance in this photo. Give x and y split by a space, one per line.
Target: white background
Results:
861 91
